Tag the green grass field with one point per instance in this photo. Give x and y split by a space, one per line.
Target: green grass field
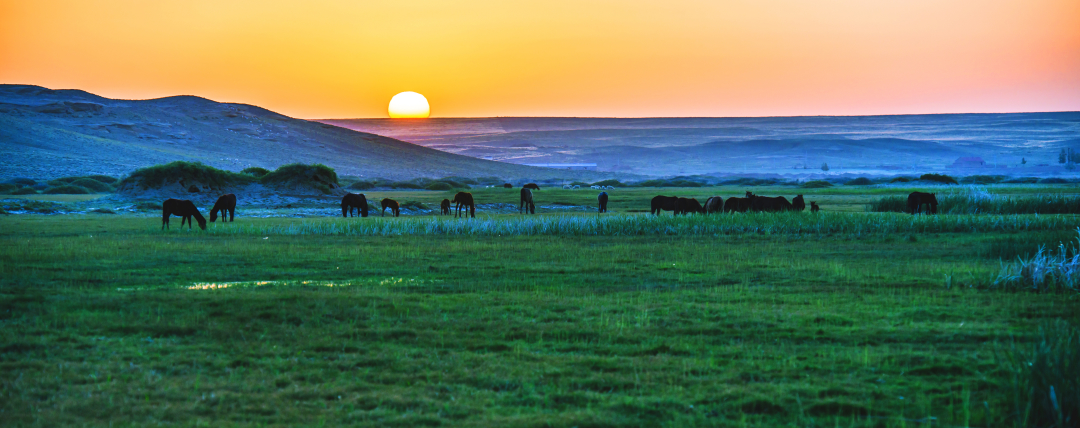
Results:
843 319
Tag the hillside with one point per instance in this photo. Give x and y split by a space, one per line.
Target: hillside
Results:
53 133
883 145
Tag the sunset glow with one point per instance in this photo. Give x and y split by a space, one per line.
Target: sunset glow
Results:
336 59
408 105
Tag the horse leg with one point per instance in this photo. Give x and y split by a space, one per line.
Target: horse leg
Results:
472 210
232 214
164 221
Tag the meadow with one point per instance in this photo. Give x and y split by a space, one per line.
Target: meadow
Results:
846 318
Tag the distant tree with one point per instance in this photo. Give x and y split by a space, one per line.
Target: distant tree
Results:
1074 157
824 166
1063 156
1023 161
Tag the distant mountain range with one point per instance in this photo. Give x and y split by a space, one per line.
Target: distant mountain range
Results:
51 133
745 146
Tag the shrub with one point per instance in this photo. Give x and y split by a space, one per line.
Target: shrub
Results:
413 205
157 175
25 191
982 179
7 188
902 180
939 178
1025 180
461 180
93 185
255 171
67 189
975 200
1043 378
1053 180
439 185
362 185
816 184
580 183
612 183
22 182
147 205
861 181
298 174
404 185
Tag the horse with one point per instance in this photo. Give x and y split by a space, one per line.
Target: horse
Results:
688 206
916 200
445 206
532 186
508 186
664 203
395 208
353 200
714 204
739 205
602 198
527 201
768 204
183 208
797 203
814 207
465 199
225 202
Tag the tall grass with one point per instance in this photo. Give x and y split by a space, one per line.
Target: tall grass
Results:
853 224
977 200
1044 379
1046 271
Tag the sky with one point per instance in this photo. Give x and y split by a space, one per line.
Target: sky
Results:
619 58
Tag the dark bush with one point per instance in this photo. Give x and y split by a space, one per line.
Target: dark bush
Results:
362 185
462 180
147 205
982 179
157 175
861 181
902 180
612 183
1053 180
25 191
22 181
413 205
93 185
7 188
1023 180
404 185
255 171
938 178
816 184
439 185
298 174
67 189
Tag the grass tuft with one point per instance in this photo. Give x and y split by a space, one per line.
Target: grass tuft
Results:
1044 378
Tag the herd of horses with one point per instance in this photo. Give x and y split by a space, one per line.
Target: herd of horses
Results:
464 202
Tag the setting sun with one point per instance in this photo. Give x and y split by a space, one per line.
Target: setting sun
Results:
409 105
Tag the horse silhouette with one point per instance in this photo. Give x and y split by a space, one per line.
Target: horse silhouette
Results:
916 200
527 201
395 208
737 205
714 204
225 202
688 206
354 200
664 203
465 199
797 203
445 206
508 186
768 204
602 198
532 186
814 207
183 208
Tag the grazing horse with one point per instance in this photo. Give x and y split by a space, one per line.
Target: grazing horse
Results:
224 203
916 200
465 199
768 204
602 198
797 203
714 204
740 205
183 208
508 185
395 208
531 186
527 201
354 200
664 203
814 208
445 206
688 206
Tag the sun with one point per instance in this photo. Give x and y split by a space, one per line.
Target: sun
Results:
409 105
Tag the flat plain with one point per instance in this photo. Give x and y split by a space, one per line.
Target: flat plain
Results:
844 318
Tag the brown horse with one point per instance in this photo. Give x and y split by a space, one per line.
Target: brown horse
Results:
527 201
445 206
768 204
814 207
395 208
465 199
225 202
532 186
714 204
688 206
183 208
916 200
797 203
737 205
664 203
602 198
354 200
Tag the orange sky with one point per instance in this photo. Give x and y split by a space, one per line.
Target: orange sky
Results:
625 58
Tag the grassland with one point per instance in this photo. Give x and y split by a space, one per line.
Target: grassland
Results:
285 322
